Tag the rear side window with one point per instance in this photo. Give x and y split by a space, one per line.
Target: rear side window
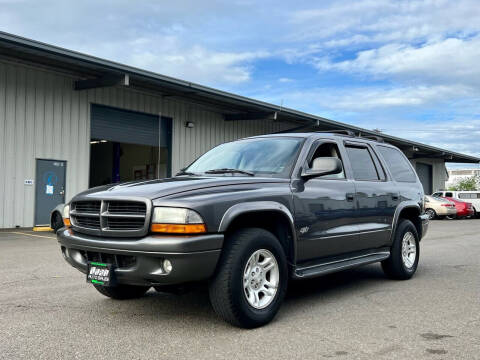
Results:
448 194
362 164
398 165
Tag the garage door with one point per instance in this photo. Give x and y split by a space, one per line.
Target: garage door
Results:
424 172
125 126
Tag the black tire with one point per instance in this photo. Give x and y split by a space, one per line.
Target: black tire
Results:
394 267
57 221
226 290
122 292
431 214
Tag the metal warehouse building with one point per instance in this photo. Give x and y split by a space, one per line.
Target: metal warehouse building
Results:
70 121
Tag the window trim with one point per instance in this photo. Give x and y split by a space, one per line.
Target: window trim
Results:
362 145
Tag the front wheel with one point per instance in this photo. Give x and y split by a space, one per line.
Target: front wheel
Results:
251 279
405 252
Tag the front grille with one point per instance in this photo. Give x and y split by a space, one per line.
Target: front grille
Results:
126 207
120 261
125 223
88 222
110 217
88 206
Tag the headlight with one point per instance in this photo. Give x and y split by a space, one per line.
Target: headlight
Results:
177 221
66 216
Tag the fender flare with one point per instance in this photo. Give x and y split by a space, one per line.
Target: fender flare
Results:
402 206
255 206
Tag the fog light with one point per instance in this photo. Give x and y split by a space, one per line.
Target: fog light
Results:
167 266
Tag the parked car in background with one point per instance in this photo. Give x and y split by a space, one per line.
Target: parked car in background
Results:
56 217
438 207
472 197
464 209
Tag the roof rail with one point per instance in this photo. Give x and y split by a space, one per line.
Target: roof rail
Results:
345 132
373 137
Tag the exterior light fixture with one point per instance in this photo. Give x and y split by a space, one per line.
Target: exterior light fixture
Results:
189 124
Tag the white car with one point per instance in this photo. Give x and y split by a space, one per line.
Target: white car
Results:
472 197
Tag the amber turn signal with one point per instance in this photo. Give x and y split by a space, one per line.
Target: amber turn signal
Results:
179 228
66 222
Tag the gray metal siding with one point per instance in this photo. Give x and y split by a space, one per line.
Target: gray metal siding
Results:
41 116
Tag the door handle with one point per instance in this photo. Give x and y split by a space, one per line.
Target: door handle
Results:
350 197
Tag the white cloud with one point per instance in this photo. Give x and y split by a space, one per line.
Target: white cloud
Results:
362 99
285 80
366 21
450 61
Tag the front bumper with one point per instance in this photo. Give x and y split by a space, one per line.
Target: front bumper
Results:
194 258
425 222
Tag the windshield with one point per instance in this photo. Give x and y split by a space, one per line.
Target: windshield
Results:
271 157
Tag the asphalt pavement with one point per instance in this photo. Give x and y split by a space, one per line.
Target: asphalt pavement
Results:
47 311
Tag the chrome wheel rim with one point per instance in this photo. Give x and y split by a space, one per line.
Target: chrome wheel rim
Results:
409 250
260 279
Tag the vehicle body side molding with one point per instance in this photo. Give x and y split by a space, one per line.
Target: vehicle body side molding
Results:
255 206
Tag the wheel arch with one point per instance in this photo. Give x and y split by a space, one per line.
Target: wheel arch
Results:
410 211
269 215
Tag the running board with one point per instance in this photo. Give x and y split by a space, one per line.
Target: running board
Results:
329 266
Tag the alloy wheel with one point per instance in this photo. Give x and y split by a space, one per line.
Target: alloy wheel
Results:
261 279
409 250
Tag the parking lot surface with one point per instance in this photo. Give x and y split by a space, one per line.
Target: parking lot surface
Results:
47 311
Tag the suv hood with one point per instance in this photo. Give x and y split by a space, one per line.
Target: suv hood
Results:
153 189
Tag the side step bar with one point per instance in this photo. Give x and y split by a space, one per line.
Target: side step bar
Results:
329 266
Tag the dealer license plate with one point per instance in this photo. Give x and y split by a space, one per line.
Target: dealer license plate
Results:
99 273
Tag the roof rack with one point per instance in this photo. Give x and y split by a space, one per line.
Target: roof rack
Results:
373 137
345 132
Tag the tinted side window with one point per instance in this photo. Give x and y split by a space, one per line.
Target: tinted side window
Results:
362 163
448 194
398 165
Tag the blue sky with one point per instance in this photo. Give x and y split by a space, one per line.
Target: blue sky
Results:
408 68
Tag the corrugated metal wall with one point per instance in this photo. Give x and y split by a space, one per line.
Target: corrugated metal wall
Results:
41 116
439 172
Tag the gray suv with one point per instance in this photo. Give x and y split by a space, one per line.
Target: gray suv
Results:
249 215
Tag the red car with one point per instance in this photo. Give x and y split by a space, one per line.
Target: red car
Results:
464 209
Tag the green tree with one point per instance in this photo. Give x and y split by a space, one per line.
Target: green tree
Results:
467 184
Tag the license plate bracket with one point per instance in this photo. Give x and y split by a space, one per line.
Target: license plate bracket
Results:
99 273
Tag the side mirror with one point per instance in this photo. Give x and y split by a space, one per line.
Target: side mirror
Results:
323 166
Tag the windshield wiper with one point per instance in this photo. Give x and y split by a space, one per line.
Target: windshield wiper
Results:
229 171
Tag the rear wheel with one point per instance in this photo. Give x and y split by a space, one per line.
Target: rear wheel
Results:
405 252
431 214
251 279
122 292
